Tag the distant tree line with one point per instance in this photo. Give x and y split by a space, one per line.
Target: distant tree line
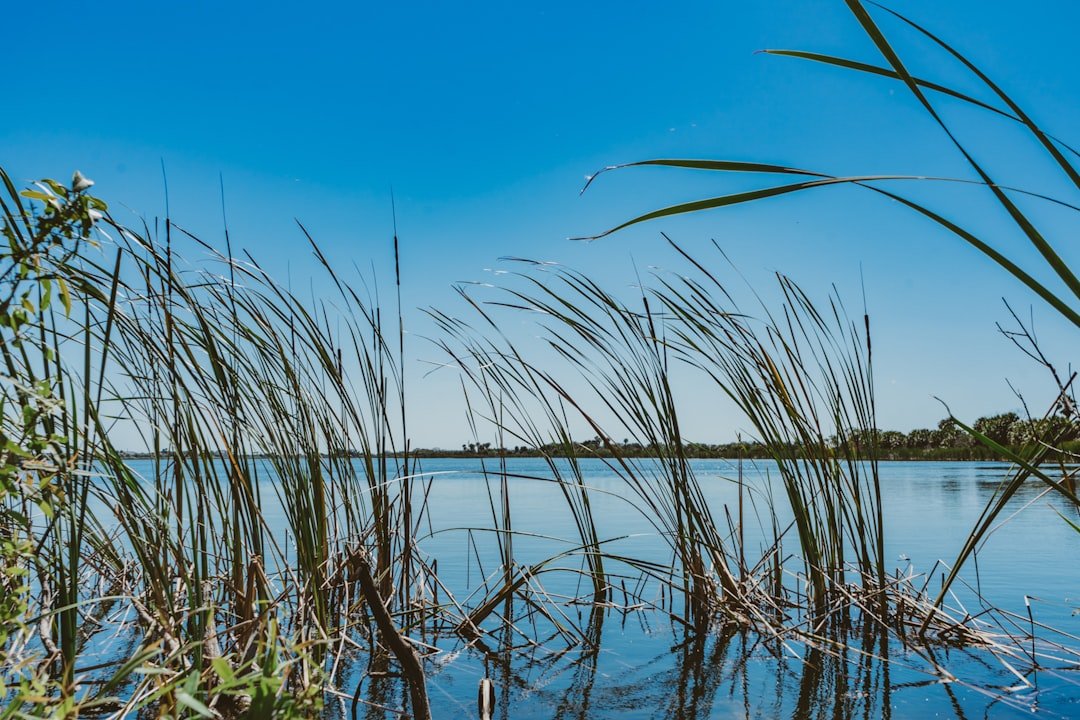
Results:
944 442
948 441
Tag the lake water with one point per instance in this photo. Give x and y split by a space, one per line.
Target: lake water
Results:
645 668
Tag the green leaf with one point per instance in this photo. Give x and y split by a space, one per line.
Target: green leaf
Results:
65 296
35 195
190 702
740 197
58 188
223 669
1071 524
46 295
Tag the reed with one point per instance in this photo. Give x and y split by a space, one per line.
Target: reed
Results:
804 379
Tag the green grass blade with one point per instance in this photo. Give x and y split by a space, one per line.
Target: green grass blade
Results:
849 64
1027 467
721 165
737 198
1044 139
1012 268
885 48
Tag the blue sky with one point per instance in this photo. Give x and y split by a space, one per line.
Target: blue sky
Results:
485 119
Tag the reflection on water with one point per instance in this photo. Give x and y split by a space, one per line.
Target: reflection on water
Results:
738 674
636 664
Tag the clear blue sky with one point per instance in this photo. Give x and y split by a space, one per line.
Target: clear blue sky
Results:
485 118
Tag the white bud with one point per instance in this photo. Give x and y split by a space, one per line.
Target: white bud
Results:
80 182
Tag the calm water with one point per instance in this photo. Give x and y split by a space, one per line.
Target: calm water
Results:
646 669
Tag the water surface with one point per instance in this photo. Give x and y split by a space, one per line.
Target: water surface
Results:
646 668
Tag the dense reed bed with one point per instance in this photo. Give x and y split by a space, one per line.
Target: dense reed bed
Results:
213 370
174 593
1050 277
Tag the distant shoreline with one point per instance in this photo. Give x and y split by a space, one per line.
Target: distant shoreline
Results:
977 454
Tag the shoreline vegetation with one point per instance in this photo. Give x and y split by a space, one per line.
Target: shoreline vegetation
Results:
177 595
942 444
946 442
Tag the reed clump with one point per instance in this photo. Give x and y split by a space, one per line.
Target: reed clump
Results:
239 390
803 380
